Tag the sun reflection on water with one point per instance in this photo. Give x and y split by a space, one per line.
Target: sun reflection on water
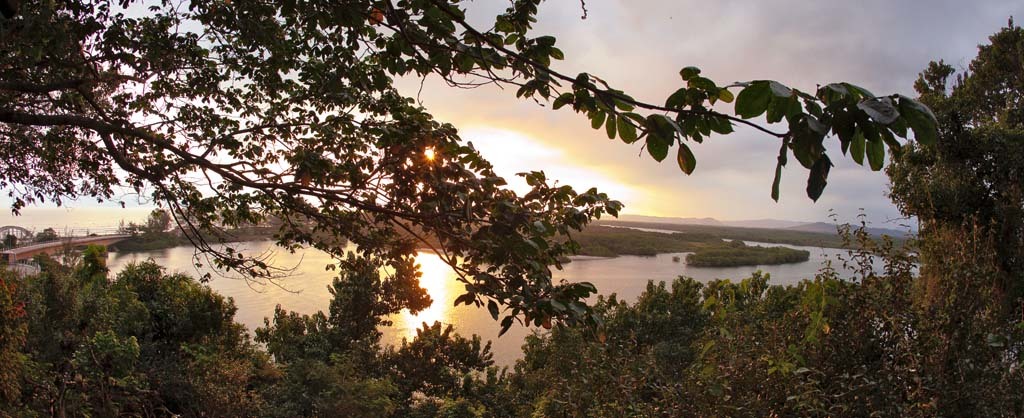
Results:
437 277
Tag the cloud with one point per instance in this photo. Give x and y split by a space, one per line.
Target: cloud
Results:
639 46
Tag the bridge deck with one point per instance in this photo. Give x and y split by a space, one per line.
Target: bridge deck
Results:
19 253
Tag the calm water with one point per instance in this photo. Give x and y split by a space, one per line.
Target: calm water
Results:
305 291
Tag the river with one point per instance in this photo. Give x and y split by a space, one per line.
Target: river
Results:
305 290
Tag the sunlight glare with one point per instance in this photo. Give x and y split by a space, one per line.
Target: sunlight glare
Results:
429 154
435 280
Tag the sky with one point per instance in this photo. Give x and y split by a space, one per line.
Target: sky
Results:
639 46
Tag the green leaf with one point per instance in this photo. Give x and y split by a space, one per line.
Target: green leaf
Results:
545 40
562 100
626 129
776 182
857 146
832 93
876 154
702 84
687 162
657 145
753 100
726 96
777 109
506 323
818 178
781 162
466 298
493 308
557 54
636 117
921 120
779 89
596 119
609 126
689 72
813 108
858 91
890 140
677 99
880 109
720 125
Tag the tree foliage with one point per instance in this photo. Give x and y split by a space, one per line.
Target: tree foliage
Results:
736 253
75 342
867 345
46 235
233 112
967 186
140 345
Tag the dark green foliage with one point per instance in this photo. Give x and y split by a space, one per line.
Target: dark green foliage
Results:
825 347
333 363
361 301
149 343
10 241
286 111
47 235
967 185
13 331
438 364
75 343
946 342
144 344
159 220
149 241
709 250
154 234
736 253
606 241
289 110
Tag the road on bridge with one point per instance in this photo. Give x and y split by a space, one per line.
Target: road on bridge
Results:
17 254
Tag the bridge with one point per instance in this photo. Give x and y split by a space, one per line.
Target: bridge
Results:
18 254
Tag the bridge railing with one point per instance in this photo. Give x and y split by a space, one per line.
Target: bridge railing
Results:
62 235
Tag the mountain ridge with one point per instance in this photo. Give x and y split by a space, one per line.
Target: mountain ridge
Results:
765 223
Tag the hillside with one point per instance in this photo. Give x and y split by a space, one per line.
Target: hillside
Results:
827 228
900 231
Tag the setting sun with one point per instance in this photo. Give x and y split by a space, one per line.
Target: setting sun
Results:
429 154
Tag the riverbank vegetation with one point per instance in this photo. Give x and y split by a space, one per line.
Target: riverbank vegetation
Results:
604 241
736 253
152 344
732 233
158 233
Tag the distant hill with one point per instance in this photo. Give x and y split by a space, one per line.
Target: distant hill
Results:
778 224
765 223
814 234
669 220
827 228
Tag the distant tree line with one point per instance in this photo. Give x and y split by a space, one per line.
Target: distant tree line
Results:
736 253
